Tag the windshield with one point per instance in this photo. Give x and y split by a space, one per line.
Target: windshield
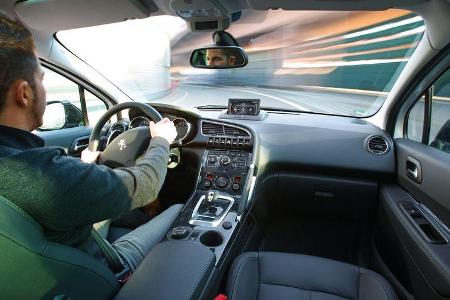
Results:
341 63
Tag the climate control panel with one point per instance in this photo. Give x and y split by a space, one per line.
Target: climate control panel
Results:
224 170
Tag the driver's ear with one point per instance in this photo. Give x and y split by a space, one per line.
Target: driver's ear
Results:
22 93
232 60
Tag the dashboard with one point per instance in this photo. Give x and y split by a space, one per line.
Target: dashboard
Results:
281 142
184 122
182 126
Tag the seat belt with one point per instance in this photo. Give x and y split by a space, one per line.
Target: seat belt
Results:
114 261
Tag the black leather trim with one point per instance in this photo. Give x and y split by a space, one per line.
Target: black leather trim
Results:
172 270
432 260
267 275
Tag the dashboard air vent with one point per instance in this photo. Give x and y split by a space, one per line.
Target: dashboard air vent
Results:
118 127
377 144
233 131
212 129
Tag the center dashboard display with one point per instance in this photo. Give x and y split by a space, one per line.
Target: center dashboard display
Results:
243 107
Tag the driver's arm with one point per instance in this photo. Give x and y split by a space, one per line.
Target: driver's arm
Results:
144 181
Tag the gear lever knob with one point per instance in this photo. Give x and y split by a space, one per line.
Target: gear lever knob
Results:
212 195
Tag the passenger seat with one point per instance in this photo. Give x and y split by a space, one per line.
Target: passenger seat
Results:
272 275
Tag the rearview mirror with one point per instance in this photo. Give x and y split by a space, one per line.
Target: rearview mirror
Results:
224 57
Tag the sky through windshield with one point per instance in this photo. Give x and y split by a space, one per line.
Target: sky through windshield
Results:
340 63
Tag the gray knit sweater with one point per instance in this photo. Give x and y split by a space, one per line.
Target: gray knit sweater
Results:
67 196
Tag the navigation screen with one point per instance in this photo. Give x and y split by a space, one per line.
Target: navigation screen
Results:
243 107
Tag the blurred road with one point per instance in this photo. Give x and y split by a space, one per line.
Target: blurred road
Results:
303 100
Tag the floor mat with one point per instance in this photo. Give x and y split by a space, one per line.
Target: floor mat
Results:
332 239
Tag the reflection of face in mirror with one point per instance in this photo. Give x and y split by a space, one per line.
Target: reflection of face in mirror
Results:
220 57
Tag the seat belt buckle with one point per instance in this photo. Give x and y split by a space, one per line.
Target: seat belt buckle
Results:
221 297
123 276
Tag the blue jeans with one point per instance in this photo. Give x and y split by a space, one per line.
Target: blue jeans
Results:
134 246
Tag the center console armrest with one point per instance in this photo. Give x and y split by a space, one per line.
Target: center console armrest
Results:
172 270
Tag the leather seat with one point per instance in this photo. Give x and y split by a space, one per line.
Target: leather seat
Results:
33 267
272 275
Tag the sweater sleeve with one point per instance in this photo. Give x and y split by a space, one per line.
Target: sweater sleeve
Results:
144 181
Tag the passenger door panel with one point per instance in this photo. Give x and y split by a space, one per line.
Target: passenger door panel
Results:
433 191
418 215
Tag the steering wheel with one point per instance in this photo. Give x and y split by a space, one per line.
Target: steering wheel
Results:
129 145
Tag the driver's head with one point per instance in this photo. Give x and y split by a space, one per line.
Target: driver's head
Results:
220 57
22 94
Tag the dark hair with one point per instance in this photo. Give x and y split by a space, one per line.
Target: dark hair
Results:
17 55
13 34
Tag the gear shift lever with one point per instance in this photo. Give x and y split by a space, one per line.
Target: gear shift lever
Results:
212 196
211 209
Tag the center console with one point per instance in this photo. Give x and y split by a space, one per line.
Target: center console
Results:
222 194
199 242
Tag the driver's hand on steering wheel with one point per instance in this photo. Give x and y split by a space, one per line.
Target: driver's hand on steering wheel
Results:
165 129
89 156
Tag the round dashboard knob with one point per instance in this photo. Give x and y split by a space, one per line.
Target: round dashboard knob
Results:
222 181
225 160
179 232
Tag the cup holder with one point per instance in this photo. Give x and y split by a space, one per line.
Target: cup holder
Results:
211 238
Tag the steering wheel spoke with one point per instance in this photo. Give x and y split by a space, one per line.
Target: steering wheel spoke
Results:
129 145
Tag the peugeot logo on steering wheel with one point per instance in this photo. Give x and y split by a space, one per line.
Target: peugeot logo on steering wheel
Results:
122 144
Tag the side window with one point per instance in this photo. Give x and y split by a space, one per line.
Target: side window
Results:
440 114
429 118
95 107
65 105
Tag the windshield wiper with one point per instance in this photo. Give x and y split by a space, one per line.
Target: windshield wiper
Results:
211 106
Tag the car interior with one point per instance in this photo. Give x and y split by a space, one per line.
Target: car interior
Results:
287 202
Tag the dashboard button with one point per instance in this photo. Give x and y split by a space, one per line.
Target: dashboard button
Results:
236 186
179 232
222 182
227 225
207 184
225 160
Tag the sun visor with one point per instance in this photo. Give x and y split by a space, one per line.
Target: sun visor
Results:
55 15
342 5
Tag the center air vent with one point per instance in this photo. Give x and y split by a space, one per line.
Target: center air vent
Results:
377 144
212 129
233 131
215 129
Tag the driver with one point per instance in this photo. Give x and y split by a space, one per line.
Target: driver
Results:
220 57
67 195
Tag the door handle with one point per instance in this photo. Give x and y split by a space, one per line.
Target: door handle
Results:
413 169
79 145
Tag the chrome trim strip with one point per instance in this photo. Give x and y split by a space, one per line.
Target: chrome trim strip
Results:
366 143
188 129
215 223
131 122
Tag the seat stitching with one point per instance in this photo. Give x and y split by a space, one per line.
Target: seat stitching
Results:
359 282
259 276
203 271
378 283
295 287
241 262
